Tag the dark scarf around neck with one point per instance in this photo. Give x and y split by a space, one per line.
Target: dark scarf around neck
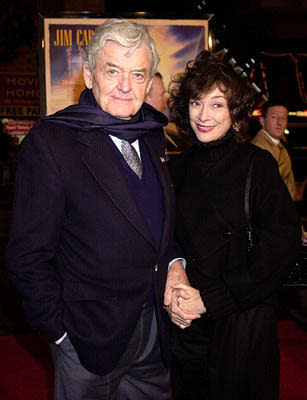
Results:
88 116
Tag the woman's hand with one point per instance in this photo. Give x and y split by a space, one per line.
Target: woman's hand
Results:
189 299
172 296
178 316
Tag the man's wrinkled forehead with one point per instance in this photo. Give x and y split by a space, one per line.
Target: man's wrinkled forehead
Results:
133 54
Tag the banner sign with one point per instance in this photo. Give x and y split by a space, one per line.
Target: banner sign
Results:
19 94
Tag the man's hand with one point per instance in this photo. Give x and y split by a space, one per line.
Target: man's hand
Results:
189 299
176 275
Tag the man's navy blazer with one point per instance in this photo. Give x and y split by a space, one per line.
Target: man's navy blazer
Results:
80 252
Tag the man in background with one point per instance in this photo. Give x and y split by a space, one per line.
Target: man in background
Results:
157 95
274 121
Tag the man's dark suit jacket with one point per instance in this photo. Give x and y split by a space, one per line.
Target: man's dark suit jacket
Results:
80 252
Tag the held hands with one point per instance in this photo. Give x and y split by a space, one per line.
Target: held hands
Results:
189 299
182 302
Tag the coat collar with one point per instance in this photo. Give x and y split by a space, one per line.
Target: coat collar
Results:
267 137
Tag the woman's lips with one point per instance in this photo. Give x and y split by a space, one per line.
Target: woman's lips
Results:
203 128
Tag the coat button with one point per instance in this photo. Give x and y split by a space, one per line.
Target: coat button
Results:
227 234
156 268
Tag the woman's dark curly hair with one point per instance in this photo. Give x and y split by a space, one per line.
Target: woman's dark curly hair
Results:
201 76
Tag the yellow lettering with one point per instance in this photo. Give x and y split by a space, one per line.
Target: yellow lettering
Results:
79 40
57 41
67 37
83 37
63 37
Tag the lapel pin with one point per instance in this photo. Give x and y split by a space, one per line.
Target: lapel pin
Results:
162 159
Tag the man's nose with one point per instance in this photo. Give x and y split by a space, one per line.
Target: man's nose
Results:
124 83
279 121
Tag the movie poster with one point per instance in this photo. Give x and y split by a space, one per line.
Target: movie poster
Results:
177 41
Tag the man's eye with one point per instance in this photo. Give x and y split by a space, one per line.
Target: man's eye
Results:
112 72
217 105
138 76
194 103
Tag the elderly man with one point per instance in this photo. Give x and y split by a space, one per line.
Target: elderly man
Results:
91 248
274 121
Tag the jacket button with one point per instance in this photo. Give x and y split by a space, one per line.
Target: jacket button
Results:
227 234
156 268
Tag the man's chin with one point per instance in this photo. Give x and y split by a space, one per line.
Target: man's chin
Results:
122 117
120 114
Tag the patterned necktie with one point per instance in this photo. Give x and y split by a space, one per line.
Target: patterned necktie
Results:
132 158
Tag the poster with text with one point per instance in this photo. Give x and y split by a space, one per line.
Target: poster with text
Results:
65 39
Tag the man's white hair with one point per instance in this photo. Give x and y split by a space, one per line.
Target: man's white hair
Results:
125 33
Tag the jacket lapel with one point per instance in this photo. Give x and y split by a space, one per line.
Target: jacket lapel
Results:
157 156
102 164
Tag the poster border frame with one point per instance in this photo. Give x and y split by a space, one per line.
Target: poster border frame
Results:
68 17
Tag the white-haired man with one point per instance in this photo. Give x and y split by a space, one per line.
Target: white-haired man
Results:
91 248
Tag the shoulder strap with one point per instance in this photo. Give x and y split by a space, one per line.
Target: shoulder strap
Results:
247 191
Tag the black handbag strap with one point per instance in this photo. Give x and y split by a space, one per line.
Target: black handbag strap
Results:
247 194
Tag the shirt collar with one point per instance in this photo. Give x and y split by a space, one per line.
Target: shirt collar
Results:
118 142
274 140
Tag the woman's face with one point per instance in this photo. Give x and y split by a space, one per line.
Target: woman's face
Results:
209 116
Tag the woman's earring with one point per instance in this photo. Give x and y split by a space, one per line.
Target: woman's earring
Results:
236 127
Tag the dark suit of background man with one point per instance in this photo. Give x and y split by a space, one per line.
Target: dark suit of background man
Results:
91 241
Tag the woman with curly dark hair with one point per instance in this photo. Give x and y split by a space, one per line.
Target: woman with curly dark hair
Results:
230 351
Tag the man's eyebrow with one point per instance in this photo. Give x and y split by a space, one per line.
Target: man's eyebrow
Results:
110 64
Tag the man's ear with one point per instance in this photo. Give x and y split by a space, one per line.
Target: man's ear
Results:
148 87
261 120
87 75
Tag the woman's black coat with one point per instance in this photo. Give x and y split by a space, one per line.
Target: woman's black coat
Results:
236 340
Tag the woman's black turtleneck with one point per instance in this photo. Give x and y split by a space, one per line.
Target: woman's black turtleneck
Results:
208 154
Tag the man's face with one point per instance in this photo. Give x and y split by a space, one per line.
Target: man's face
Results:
120 81
275 121
157 97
